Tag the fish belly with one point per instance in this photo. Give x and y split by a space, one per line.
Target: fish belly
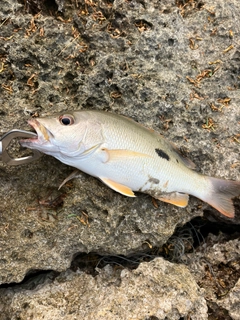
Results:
151 176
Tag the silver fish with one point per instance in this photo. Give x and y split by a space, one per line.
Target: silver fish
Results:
128 157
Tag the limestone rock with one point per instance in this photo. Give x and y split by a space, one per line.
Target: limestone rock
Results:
155 290
171 65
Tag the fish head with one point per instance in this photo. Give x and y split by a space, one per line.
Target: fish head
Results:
60 134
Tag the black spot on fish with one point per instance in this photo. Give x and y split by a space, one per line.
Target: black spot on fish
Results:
162 154
177 160
153 180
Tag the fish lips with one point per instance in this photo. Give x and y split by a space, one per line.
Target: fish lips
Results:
43 135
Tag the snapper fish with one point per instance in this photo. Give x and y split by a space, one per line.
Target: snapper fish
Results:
128 157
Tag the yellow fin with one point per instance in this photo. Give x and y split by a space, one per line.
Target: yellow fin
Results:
118 154
176 198
118 187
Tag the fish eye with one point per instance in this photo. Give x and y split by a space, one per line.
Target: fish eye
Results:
66 120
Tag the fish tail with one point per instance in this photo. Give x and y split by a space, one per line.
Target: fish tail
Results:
221 194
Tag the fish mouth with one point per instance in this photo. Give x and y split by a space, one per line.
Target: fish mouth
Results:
43 134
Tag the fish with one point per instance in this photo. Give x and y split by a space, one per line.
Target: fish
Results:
128 158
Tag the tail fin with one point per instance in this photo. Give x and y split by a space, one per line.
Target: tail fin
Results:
223 191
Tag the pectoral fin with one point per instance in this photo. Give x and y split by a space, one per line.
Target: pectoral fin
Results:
175 198
118 187
119 154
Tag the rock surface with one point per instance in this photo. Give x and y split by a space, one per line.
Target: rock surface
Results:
155 290
216 268
171 65
231 302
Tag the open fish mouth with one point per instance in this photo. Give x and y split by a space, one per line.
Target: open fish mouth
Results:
42 134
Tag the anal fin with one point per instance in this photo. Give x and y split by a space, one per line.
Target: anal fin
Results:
176 198
126 191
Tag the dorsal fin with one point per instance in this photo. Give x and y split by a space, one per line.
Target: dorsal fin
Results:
188 163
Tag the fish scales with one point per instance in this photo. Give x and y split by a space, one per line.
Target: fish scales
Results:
139 139
128 157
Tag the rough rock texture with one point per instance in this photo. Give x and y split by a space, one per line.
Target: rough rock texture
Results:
216 268
155 290
232 303
171 65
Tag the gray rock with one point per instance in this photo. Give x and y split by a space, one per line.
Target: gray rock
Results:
155 290
148 60
232 303
216 268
